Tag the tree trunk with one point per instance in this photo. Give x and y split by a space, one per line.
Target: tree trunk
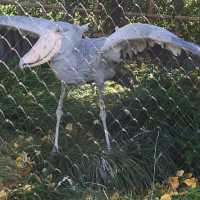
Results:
151 7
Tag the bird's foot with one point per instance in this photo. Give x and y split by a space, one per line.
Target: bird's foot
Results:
109 148
104 170
55 150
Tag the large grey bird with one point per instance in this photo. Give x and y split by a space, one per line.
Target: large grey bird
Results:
78 60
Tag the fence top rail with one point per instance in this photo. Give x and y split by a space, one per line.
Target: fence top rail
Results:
97 11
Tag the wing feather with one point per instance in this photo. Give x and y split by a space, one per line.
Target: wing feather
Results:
31 24
138 39
18 34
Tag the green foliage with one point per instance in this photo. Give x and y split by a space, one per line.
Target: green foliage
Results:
143 113
168 100
155 125
192 194
8 10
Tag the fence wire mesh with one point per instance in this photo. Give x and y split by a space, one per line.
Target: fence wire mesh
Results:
152 104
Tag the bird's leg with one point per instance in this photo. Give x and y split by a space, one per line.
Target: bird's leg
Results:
59 114
102 114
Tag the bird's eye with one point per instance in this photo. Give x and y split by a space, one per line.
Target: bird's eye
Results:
58 29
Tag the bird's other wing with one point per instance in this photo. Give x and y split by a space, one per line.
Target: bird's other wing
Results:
152 43
18 34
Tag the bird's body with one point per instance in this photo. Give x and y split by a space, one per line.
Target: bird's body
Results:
82 66
78 60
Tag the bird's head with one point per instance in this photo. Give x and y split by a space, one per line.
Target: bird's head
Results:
73 37
57 40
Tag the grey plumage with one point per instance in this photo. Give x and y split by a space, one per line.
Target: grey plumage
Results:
77 60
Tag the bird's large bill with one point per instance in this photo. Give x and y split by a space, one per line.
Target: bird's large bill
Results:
43 51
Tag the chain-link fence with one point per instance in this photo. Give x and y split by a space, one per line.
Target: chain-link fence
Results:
152 102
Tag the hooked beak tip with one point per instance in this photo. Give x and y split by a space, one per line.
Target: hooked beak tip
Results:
21 63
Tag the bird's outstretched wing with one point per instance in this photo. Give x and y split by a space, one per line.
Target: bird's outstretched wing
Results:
19 34
149 42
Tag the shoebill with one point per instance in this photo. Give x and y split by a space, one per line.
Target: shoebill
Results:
78 60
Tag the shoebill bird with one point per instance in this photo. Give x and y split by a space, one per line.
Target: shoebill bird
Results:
78 60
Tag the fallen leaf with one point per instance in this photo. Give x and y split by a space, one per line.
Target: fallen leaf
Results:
16 145
173 182
69 127
188 175
115 196
24 164
19 162
88 197
3 195
27 188
190 182
23 160
165 197
180 173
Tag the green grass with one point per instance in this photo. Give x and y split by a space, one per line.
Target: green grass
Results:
161 109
